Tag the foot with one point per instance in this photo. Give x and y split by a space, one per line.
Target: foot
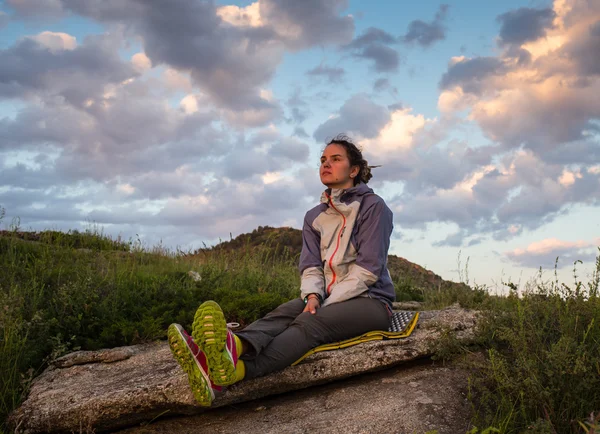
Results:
193 361
212 335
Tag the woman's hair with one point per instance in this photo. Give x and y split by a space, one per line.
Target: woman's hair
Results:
355 157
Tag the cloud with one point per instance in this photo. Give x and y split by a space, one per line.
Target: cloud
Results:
386 59
55 41
299 107
470 74
175 80
544 196
372 36
264 112
426 34
159 184
126 130
373 44
395 137
40 206
308 23
583 49
135 143
229 64
51 64
167 139
231 61
297 25
4 19
357 116
574 152
540 91
300 132
455 239
333 74
22 176
255 203
194 197
34 8
443 169
544 253
289 148
525 25
514 191
265 151
248 16
542 116
382 84
140 62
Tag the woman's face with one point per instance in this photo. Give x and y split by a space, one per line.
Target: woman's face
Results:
335 170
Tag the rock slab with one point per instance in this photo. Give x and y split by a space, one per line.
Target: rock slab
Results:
417 397
123 387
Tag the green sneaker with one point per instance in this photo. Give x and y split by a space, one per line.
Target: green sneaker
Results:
193 362
218 343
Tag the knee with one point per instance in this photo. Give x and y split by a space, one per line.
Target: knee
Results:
306 320
295 306
292 307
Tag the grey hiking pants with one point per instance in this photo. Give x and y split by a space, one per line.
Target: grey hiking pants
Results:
286 334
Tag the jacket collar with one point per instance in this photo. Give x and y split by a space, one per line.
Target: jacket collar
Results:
346 195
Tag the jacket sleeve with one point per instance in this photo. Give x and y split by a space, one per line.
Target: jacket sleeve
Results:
311 266
372 243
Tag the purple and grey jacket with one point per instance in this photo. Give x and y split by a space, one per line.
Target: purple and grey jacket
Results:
345 246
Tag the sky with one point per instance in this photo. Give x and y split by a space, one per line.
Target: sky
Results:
185 122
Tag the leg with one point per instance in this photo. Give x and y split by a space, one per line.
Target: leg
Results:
212 336
332 323
262 331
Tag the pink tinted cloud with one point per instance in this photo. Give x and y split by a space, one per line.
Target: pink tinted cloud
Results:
543 253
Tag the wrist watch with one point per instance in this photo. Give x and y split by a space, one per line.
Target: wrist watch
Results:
318 296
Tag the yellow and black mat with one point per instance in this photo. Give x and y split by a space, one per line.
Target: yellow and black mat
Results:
402 324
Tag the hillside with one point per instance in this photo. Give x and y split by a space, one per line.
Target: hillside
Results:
288 241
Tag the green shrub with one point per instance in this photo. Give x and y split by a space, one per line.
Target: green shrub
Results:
542 370
407 290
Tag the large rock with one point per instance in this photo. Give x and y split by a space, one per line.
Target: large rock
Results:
416 397
112 389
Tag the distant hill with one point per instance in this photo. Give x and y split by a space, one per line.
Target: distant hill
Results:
286 240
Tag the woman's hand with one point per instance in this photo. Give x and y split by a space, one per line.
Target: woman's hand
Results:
312 304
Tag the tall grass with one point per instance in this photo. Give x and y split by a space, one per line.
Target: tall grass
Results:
542 367
72 291
540 346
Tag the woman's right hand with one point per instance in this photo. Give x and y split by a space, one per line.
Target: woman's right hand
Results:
312 304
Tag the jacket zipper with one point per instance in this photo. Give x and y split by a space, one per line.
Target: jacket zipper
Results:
337 246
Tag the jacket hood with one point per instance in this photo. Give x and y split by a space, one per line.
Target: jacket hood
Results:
346 195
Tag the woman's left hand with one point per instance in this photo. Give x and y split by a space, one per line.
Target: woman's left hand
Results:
312 305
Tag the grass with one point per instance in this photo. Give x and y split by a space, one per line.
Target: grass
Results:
76 291
540 370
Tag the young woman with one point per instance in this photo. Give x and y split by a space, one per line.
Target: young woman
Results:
346 289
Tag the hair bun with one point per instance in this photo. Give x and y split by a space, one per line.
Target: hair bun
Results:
365 173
